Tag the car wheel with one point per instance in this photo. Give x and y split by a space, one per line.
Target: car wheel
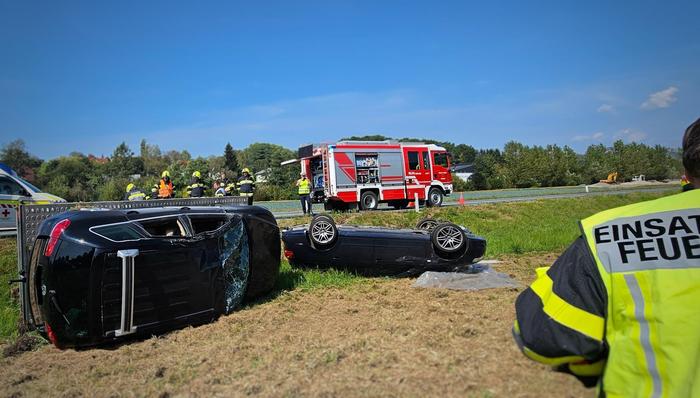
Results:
434 197
322 231
369 201
427 224
448 238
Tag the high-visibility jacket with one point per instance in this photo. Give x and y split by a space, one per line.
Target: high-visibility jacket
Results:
246 185
620 305
230 188
304 186
135 194
165 190
196 188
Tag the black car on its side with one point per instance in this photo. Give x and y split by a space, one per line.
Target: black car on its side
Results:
103 275
375 251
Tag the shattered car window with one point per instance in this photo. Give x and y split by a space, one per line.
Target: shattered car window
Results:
235 260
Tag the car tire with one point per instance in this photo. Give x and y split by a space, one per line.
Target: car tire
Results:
369 201
428 224
434 198
322 231
448 238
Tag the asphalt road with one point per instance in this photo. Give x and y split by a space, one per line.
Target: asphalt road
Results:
283 209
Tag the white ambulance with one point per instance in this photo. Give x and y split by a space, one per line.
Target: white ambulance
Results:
14 189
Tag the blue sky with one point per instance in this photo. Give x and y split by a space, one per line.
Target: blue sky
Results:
84 76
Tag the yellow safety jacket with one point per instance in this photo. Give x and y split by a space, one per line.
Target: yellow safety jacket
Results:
304 186
624 310
648 255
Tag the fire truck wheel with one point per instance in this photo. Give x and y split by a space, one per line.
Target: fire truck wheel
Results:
369 201
434 197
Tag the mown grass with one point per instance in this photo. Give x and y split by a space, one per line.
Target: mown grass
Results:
510 228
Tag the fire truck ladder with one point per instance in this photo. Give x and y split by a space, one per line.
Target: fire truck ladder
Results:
326 169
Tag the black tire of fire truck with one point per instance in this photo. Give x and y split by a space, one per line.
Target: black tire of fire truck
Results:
434 197
369 201
399 204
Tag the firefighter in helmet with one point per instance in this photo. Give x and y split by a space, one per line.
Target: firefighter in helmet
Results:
246 185
133 193
196 188
164 189
619 307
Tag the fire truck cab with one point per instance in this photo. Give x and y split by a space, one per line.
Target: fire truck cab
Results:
349 174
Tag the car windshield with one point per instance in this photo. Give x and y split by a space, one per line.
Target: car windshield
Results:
30 186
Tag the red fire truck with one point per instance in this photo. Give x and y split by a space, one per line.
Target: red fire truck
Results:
366 173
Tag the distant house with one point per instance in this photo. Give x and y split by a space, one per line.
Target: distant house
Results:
463 171
262 175
100 160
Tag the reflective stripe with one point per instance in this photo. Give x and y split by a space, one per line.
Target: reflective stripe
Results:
304 187
540 358
136 196
644 333
587 369
564 313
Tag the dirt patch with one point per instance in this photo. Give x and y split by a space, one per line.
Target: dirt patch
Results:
380 338
23 343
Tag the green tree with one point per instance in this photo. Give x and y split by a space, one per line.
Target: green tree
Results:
71 177
15 155
123 163
231 160
153 161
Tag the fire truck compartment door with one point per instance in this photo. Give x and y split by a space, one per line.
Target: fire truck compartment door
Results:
345 173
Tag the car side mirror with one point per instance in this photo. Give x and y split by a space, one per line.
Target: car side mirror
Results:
24 192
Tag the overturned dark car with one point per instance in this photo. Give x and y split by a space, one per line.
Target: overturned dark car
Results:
97 276
374 251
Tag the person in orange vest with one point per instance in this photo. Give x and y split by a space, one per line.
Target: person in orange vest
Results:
165 188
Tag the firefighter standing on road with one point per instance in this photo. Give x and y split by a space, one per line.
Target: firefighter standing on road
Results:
305 194
620 306
196 188
246 185
164 189
133 193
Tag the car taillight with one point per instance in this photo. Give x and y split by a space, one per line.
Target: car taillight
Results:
51 335
56 232
289 254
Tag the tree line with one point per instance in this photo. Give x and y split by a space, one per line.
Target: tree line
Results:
79 177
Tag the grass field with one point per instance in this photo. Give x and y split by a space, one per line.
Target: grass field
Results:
334 333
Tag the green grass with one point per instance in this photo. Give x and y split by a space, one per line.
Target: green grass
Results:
9 307
309 279
513 228
510 228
